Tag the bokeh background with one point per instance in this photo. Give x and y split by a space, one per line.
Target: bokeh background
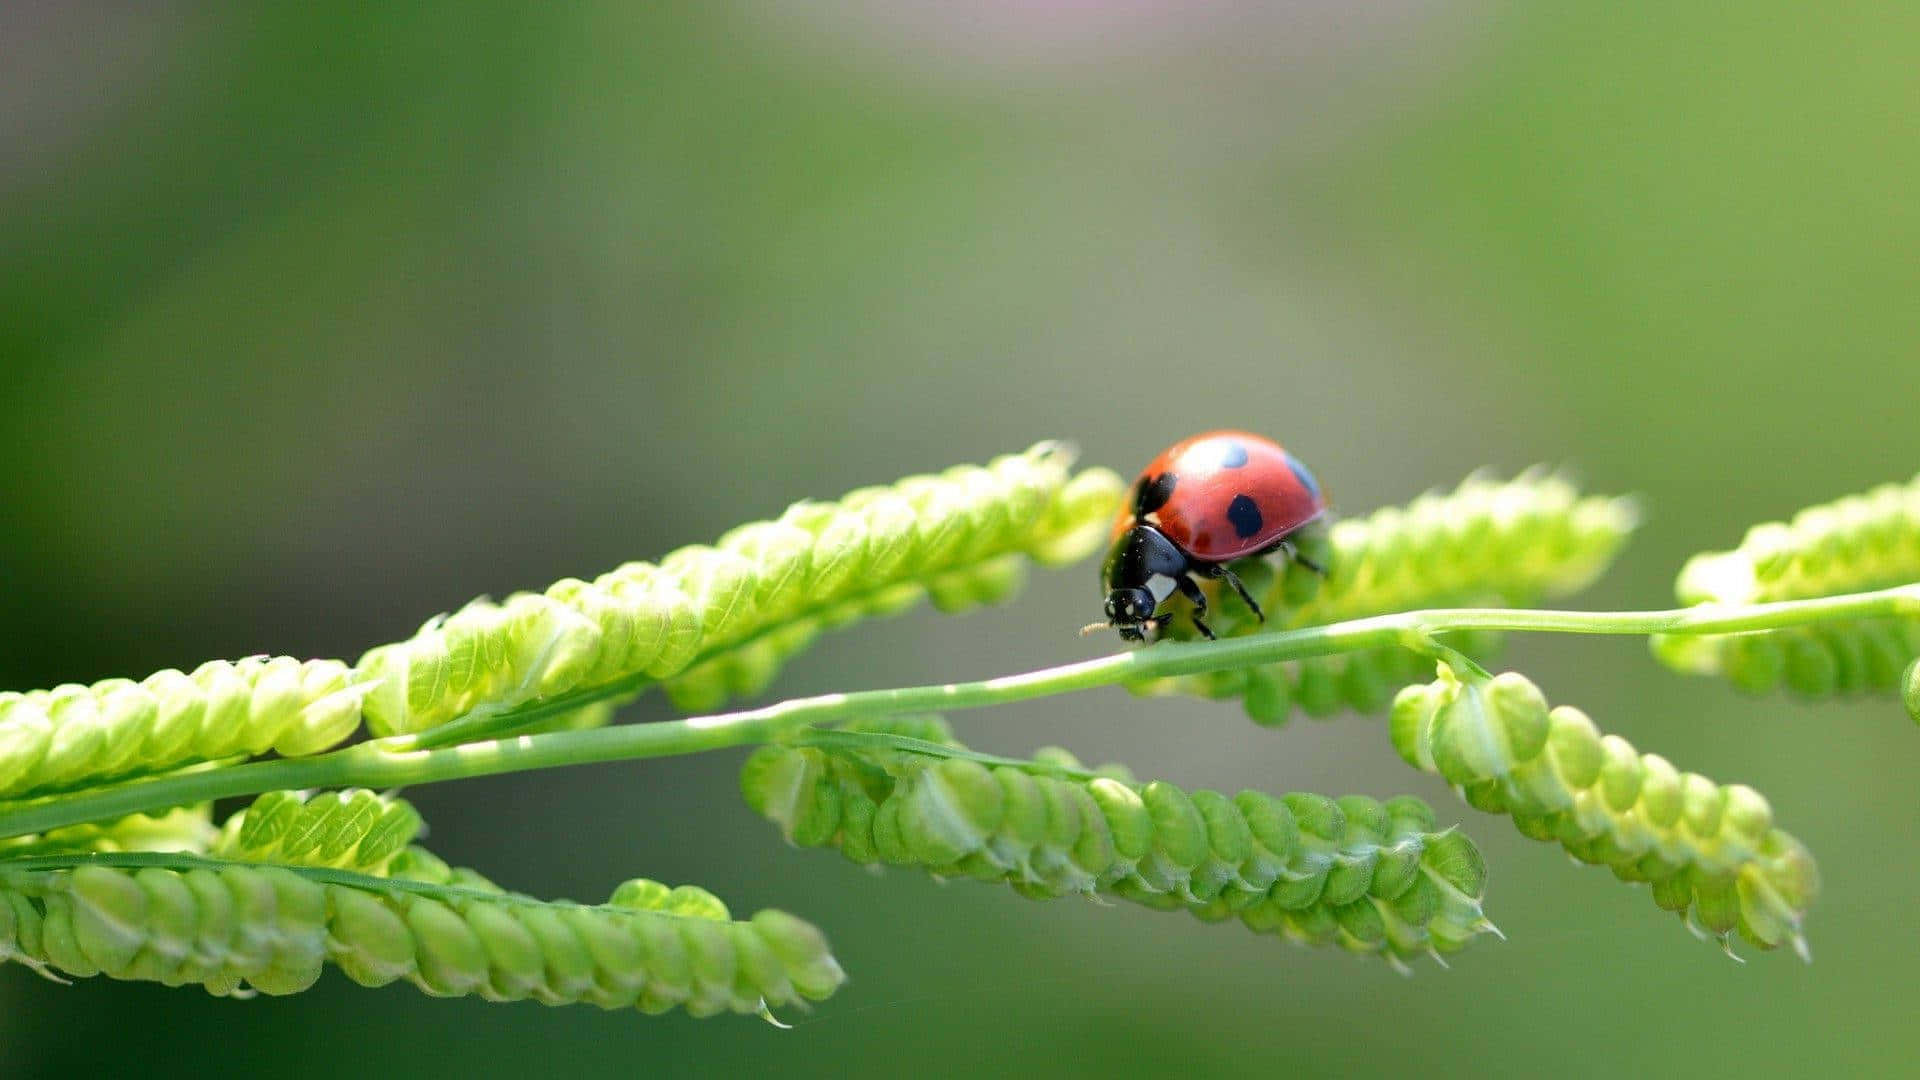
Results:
317 319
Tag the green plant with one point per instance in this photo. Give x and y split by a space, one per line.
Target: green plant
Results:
111 862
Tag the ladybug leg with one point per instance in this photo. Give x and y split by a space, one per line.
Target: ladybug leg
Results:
1220 571
1293 555
1191 590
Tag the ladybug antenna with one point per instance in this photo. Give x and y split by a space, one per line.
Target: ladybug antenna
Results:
1094 626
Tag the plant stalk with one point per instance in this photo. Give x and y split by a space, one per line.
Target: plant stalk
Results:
400 761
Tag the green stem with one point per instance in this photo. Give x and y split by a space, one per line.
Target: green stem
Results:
183 862
874 740
1426 645
12 871
399 761
495 722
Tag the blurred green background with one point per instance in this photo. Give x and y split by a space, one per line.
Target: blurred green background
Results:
318 319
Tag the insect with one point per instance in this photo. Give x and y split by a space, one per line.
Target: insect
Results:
1204 502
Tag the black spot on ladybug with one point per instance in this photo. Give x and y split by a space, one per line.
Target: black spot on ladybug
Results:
1301 474
1244 514
1152 493
1232 454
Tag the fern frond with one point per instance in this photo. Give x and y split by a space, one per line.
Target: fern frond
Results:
1710 851
1860 542
116 728
716 622
356 830
186 828
231 927
1371 877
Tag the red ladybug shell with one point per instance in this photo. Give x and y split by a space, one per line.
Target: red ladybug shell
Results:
1224 495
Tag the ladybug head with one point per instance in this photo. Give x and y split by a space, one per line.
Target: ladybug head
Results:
1128 610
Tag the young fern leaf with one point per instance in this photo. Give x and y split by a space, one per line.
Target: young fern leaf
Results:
186 828
1371 877
73 734
1487 542
356 830
231 927
1710 851
1861 542
716 622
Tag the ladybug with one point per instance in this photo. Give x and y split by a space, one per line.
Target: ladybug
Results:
1204 502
